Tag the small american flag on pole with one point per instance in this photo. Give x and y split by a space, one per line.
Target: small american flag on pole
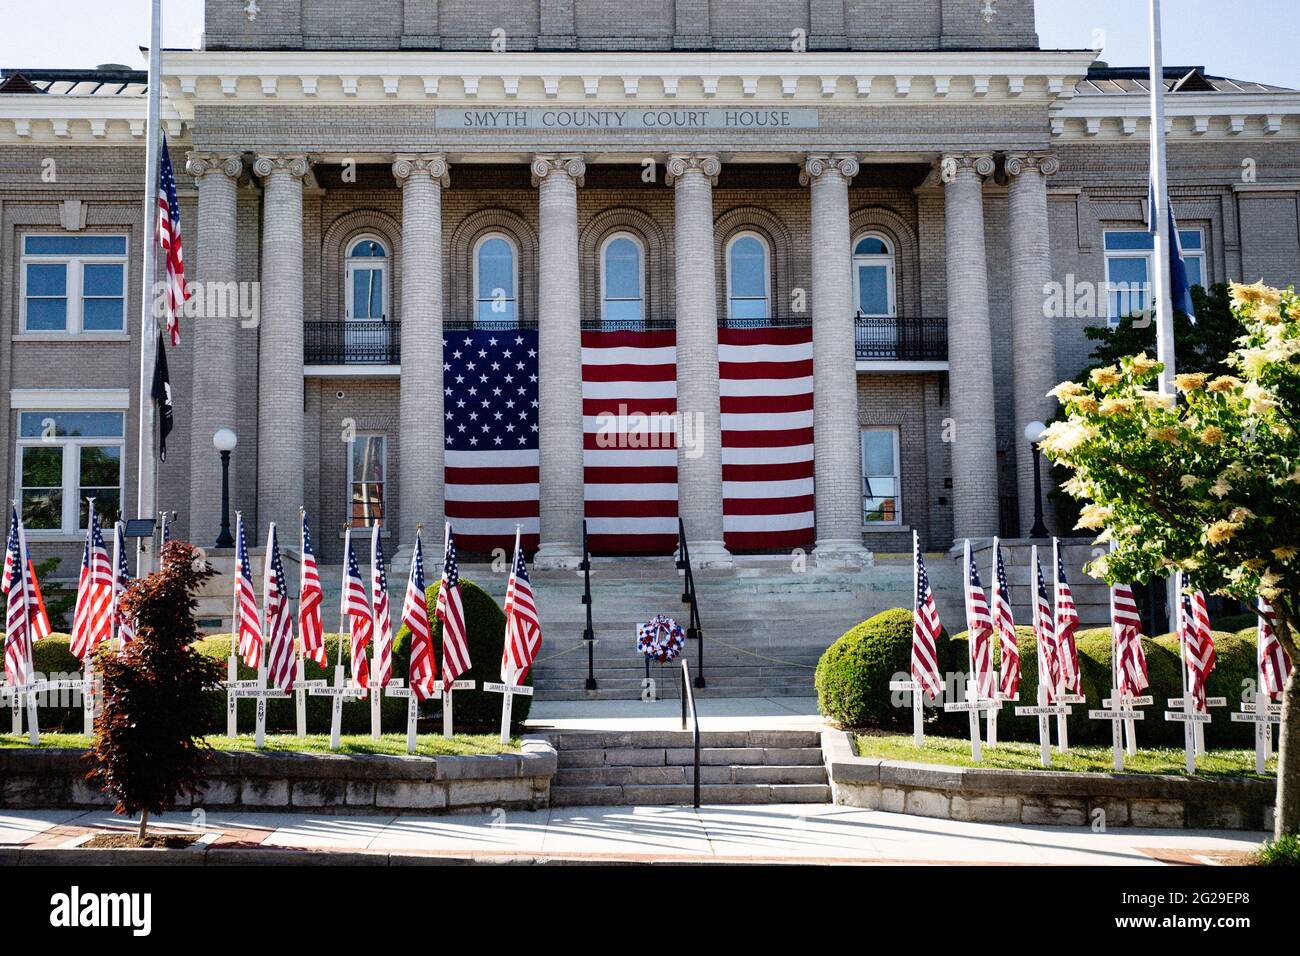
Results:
523 629
1045 637
18 642
451 611
356 612
415 615
979 625
1005 623
121 579
169 238
247 626
382 615
1198 644
311 626
925 629
1274 662
278 617
92 618
1126 629
1067 622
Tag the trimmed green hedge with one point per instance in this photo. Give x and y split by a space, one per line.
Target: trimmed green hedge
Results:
1235 654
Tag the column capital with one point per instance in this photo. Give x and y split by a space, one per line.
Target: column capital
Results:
981 163
573 166
679 164
199 165
406 168
1045 163
296 165
814 167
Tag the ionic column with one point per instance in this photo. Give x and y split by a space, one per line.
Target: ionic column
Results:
837 442
559 390
970 349
1032 338
214 336
280 388
699 460
420 412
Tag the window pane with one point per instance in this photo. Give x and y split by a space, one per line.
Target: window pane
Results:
43 467
748 268
496 269
871 246
47 279
42 491
74 424
1130 239
75 245
749 309
367 294
1195 275
101 465
877 453
101 315
873 290
108 505
47 315
42 509
367 503
1191 238
368 458
368 248
624 310
622 270
98 279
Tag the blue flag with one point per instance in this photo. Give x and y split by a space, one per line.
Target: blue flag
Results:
1180 290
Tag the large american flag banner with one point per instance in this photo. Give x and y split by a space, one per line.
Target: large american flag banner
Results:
1198 644
1005 623
311 625
925 629
523 628
1126 632
423 671
382 615
92 617
979 628
169 239
247 624
766 385
1045 637
1274 662
451 611
18 638
629 403
354 613
281 663
1067 622
490 428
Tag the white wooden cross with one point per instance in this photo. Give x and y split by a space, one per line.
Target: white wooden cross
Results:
397 688
974 706
20 695
918 708
999 698
301 688
1128 702
1118 717
337 693
261 694
91 689
508 691
1263 714
447 691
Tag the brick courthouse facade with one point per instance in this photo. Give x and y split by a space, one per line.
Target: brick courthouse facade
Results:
904 180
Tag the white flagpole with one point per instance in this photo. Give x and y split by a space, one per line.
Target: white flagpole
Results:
1263 730
300 666
33 726
507 699
261 664
345 636
1062 732
1189 735
972 682
147 489
918 711
232 664
375 713
448 690
1044 725
1116 698
992 720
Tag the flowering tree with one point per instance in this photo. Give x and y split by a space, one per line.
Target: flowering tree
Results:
1209 485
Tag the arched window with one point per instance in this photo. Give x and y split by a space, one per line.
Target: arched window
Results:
496 279
622 279
873 276
367 280
749 291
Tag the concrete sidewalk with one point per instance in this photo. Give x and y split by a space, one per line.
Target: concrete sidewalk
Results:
731 834
718 713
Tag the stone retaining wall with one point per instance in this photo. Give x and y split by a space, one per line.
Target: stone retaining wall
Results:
341 783
1044 797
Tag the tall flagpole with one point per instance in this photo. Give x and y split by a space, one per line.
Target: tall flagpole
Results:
146 478
1160 190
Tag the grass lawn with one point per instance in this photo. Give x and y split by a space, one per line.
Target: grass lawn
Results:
955 751
426 745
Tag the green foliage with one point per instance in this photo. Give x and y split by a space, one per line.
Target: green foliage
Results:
486 626
1202 346
1163 678
59 601
52 659
853 674
1234 671
1283 852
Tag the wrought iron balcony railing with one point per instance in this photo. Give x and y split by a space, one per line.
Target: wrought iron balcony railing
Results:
352 342
901 339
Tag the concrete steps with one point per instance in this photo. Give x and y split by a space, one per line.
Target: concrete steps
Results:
657 768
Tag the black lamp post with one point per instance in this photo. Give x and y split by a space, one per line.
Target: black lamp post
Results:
225 440
1033 434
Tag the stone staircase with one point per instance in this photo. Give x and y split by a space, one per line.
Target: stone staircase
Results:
641 768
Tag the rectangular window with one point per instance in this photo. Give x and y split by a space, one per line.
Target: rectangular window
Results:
65 457
1130 259
367 476
882 501
73 284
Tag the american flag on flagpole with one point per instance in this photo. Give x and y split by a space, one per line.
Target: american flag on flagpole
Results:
450 610
169 238
1045 637
979 626
247 625
1274 662
281 663
382 615
121 579
1005 623
1198 644
523 628
92 617
925 629
355 611
311 625
415 615
18 639
1126 630
1067 622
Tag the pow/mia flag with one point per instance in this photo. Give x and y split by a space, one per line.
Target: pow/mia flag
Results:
162 396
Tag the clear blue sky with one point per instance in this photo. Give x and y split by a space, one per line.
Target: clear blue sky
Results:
1247 39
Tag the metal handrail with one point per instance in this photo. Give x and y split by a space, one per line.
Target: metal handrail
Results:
901 338
694 629
352 342
689 695
589 633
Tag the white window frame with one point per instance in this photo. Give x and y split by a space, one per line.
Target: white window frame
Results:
383 470
1147 255
70 525
898 475
640 269
767 269
75 265
889 260
370 264
514 273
